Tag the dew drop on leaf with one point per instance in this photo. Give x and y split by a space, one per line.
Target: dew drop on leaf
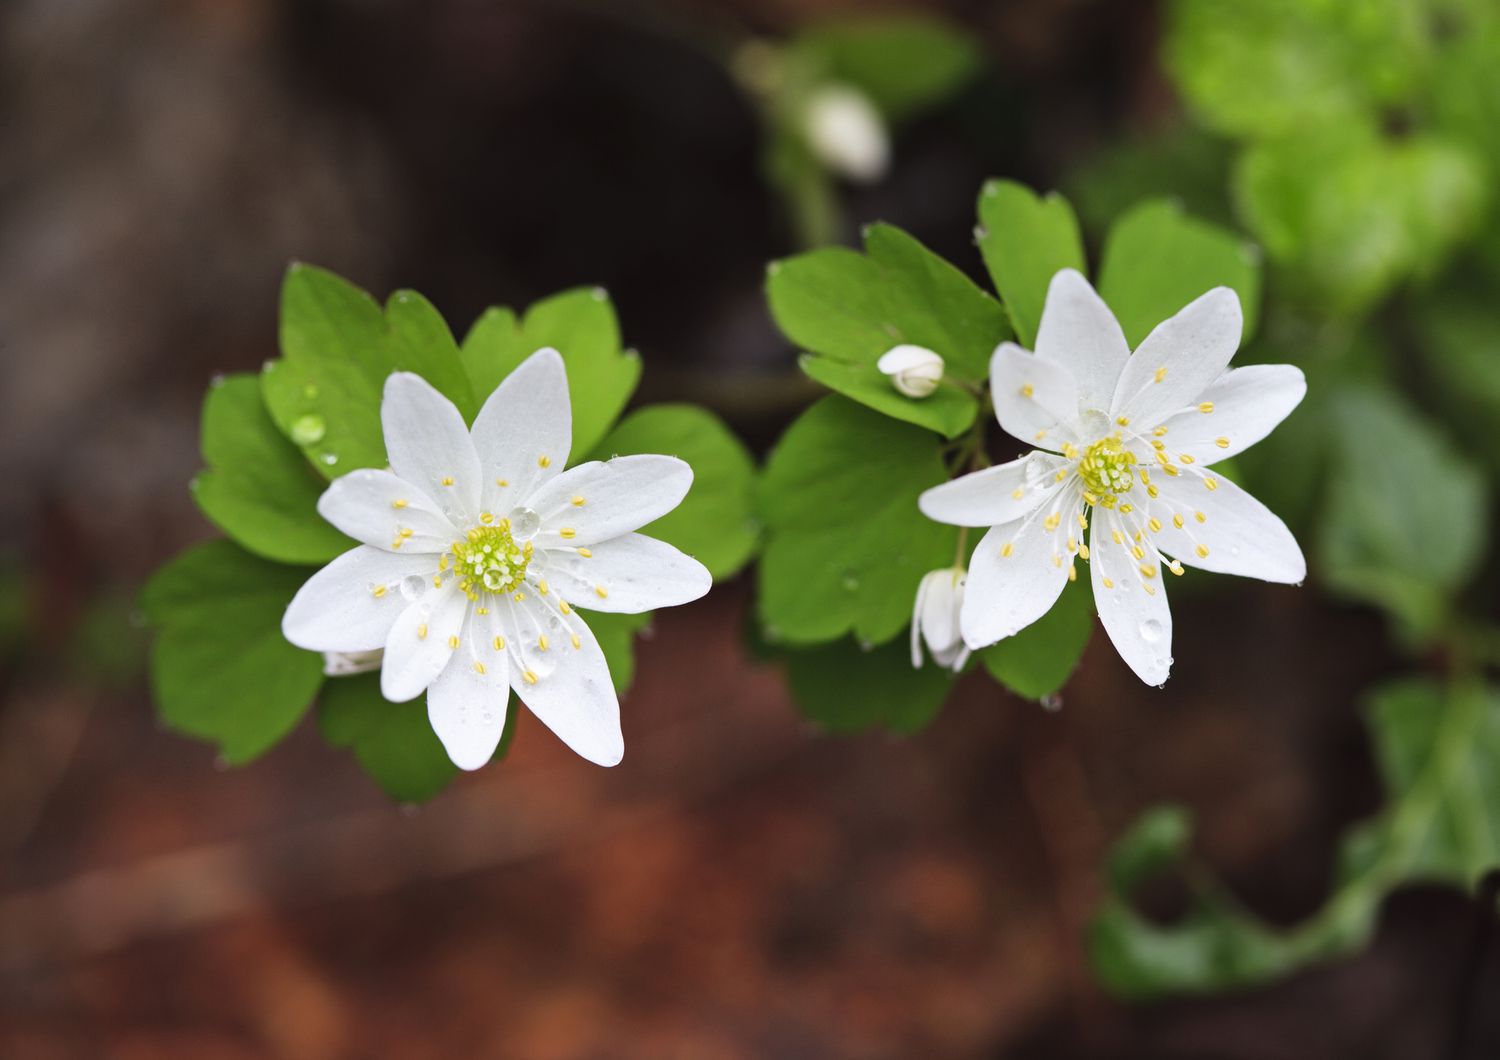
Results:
309 429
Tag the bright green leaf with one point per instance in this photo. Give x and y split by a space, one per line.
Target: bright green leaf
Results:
1157 260
1038 661
220 668
581 325
715 523
904 63
1406 516
338 349
844 688
258 487
393 742
845 544
1026 239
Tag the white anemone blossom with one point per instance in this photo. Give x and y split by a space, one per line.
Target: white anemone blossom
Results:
477 548
935 619
1123 477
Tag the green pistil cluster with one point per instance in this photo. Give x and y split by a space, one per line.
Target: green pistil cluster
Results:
490 560
1107 471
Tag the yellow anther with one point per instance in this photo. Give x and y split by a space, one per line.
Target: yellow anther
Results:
1017 493
1052 521
1126 509
1072 573
1007 549
601 591
437 581
1109 583
443 562
544 461
1083 523
529 677
1222 443
1138 552
453 642
1177 521
1123 421
501 483
447 480
1161 373
1206 407
1083 551
578 502
543 587
1200 517
499 643
1061 474
1187 458
567 532
422 631
1150 589
1169 469
406 531
1039 435
1153 492
1072 544
1154 523
1158 446
481 610
478 667
519 597
1160 432
1057 560
1148 570
564 608
486 517
577 641
1211 483
586 553
1176 568
1202 551
1070 450
1027 390
1119 537
396 543
379 590
542 643
398 504
1092 498
1138 537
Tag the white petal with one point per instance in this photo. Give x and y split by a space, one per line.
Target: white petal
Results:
1007 593
524 431
940 617
1179 359
466 703
599 500
989 497
1240 534
923 587
1079 332
421 642
428 446
630 574
1132 607
378 508
1245 405
337 609
906 357
576 700
1035 400
346 663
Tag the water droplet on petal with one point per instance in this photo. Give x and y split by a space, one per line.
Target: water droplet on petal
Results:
524 523
1151 631
309 429
413 586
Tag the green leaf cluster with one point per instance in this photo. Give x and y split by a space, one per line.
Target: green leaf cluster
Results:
221 670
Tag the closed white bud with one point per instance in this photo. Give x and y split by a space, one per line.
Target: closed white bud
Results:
344 663
940 596
914 370
846 133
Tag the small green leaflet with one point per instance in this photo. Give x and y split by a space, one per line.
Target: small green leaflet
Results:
1038 661
393 742
846 689
258 488
581 325
1026 239
220 668
845 544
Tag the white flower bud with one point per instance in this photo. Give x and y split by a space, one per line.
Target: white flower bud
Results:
846 133
935 619
914 370
345 663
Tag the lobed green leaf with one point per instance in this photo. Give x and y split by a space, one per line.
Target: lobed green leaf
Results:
1026 239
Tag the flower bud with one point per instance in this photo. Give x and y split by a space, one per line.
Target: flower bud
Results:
345 663
846 133
935 619
914 370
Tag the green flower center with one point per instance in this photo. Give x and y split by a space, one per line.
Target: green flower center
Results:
1106 470
489 560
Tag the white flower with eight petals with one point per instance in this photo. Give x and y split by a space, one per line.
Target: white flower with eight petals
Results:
477 548
1127 442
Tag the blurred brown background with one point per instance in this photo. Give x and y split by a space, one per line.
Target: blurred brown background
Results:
741 886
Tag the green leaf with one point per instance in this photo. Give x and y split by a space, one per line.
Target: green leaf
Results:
1351 214
616 636
220 669
850 308
258 488
1026 239
845 689
1440 758
1157 260
1038 661
393 742
581 325
1406 521
337 349
1462 341
1268 67
715 522
904 63
845 544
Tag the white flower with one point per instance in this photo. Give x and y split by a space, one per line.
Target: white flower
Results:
477 546
345 663
1128 440
935 619
846 133
914 370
